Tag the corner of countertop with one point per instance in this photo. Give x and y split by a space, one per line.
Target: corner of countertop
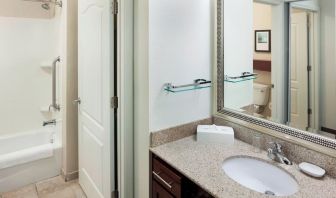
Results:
164 136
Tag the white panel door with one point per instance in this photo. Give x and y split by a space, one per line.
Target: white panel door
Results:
95 81
299 74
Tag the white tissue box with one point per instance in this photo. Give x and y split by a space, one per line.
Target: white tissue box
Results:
215 134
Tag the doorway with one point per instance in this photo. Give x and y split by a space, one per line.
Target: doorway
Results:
303 70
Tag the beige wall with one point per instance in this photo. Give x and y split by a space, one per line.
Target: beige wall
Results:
262 19
264 77
25 9
70 113
141 99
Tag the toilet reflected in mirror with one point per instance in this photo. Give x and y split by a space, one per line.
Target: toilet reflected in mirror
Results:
261 94
261 101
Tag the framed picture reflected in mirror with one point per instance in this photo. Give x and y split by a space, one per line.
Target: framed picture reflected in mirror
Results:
262 40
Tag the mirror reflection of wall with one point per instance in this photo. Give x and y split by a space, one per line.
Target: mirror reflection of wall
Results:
293 81
238 54
328 67
255 31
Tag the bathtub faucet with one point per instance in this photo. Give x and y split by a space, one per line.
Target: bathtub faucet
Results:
49 122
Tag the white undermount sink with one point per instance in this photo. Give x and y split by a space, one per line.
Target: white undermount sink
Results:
260 176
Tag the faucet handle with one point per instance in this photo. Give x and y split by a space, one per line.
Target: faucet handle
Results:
276 146
49 122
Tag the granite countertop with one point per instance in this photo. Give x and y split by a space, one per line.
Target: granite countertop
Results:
202 163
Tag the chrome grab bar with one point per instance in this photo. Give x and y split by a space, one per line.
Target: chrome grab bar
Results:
54 104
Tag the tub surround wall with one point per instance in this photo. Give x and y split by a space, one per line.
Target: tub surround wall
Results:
25 9
25 86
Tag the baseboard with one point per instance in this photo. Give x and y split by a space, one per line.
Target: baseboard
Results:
69 176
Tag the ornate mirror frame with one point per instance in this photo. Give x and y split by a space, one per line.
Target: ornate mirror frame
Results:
312 141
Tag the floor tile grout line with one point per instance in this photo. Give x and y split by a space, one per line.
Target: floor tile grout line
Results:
37 193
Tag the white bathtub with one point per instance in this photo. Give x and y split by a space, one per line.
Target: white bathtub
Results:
29 157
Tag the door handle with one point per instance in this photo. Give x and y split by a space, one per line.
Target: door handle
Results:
77 101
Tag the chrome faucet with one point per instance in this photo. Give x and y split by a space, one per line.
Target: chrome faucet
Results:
275 153
49 122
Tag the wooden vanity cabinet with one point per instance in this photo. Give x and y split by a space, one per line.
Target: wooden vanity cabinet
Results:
166 182
159 192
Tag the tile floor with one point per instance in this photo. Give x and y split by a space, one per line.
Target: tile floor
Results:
51 188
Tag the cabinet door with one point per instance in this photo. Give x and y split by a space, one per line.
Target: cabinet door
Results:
160 192
167 177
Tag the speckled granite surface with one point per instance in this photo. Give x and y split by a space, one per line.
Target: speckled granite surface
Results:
202 163
177 132
293 151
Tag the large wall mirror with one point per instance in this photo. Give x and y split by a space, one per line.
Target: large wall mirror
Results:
277 63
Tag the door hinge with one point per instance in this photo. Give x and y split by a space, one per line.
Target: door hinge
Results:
310 111
309 68
114 7
114 102
115 194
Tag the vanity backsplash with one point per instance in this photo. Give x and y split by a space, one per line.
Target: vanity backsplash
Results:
164 136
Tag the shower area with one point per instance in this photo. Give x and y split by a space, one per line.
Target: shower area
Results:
34 91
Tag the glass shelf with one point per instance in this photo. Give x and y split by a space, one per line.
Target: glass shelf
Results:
184 89
197 84
237 80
